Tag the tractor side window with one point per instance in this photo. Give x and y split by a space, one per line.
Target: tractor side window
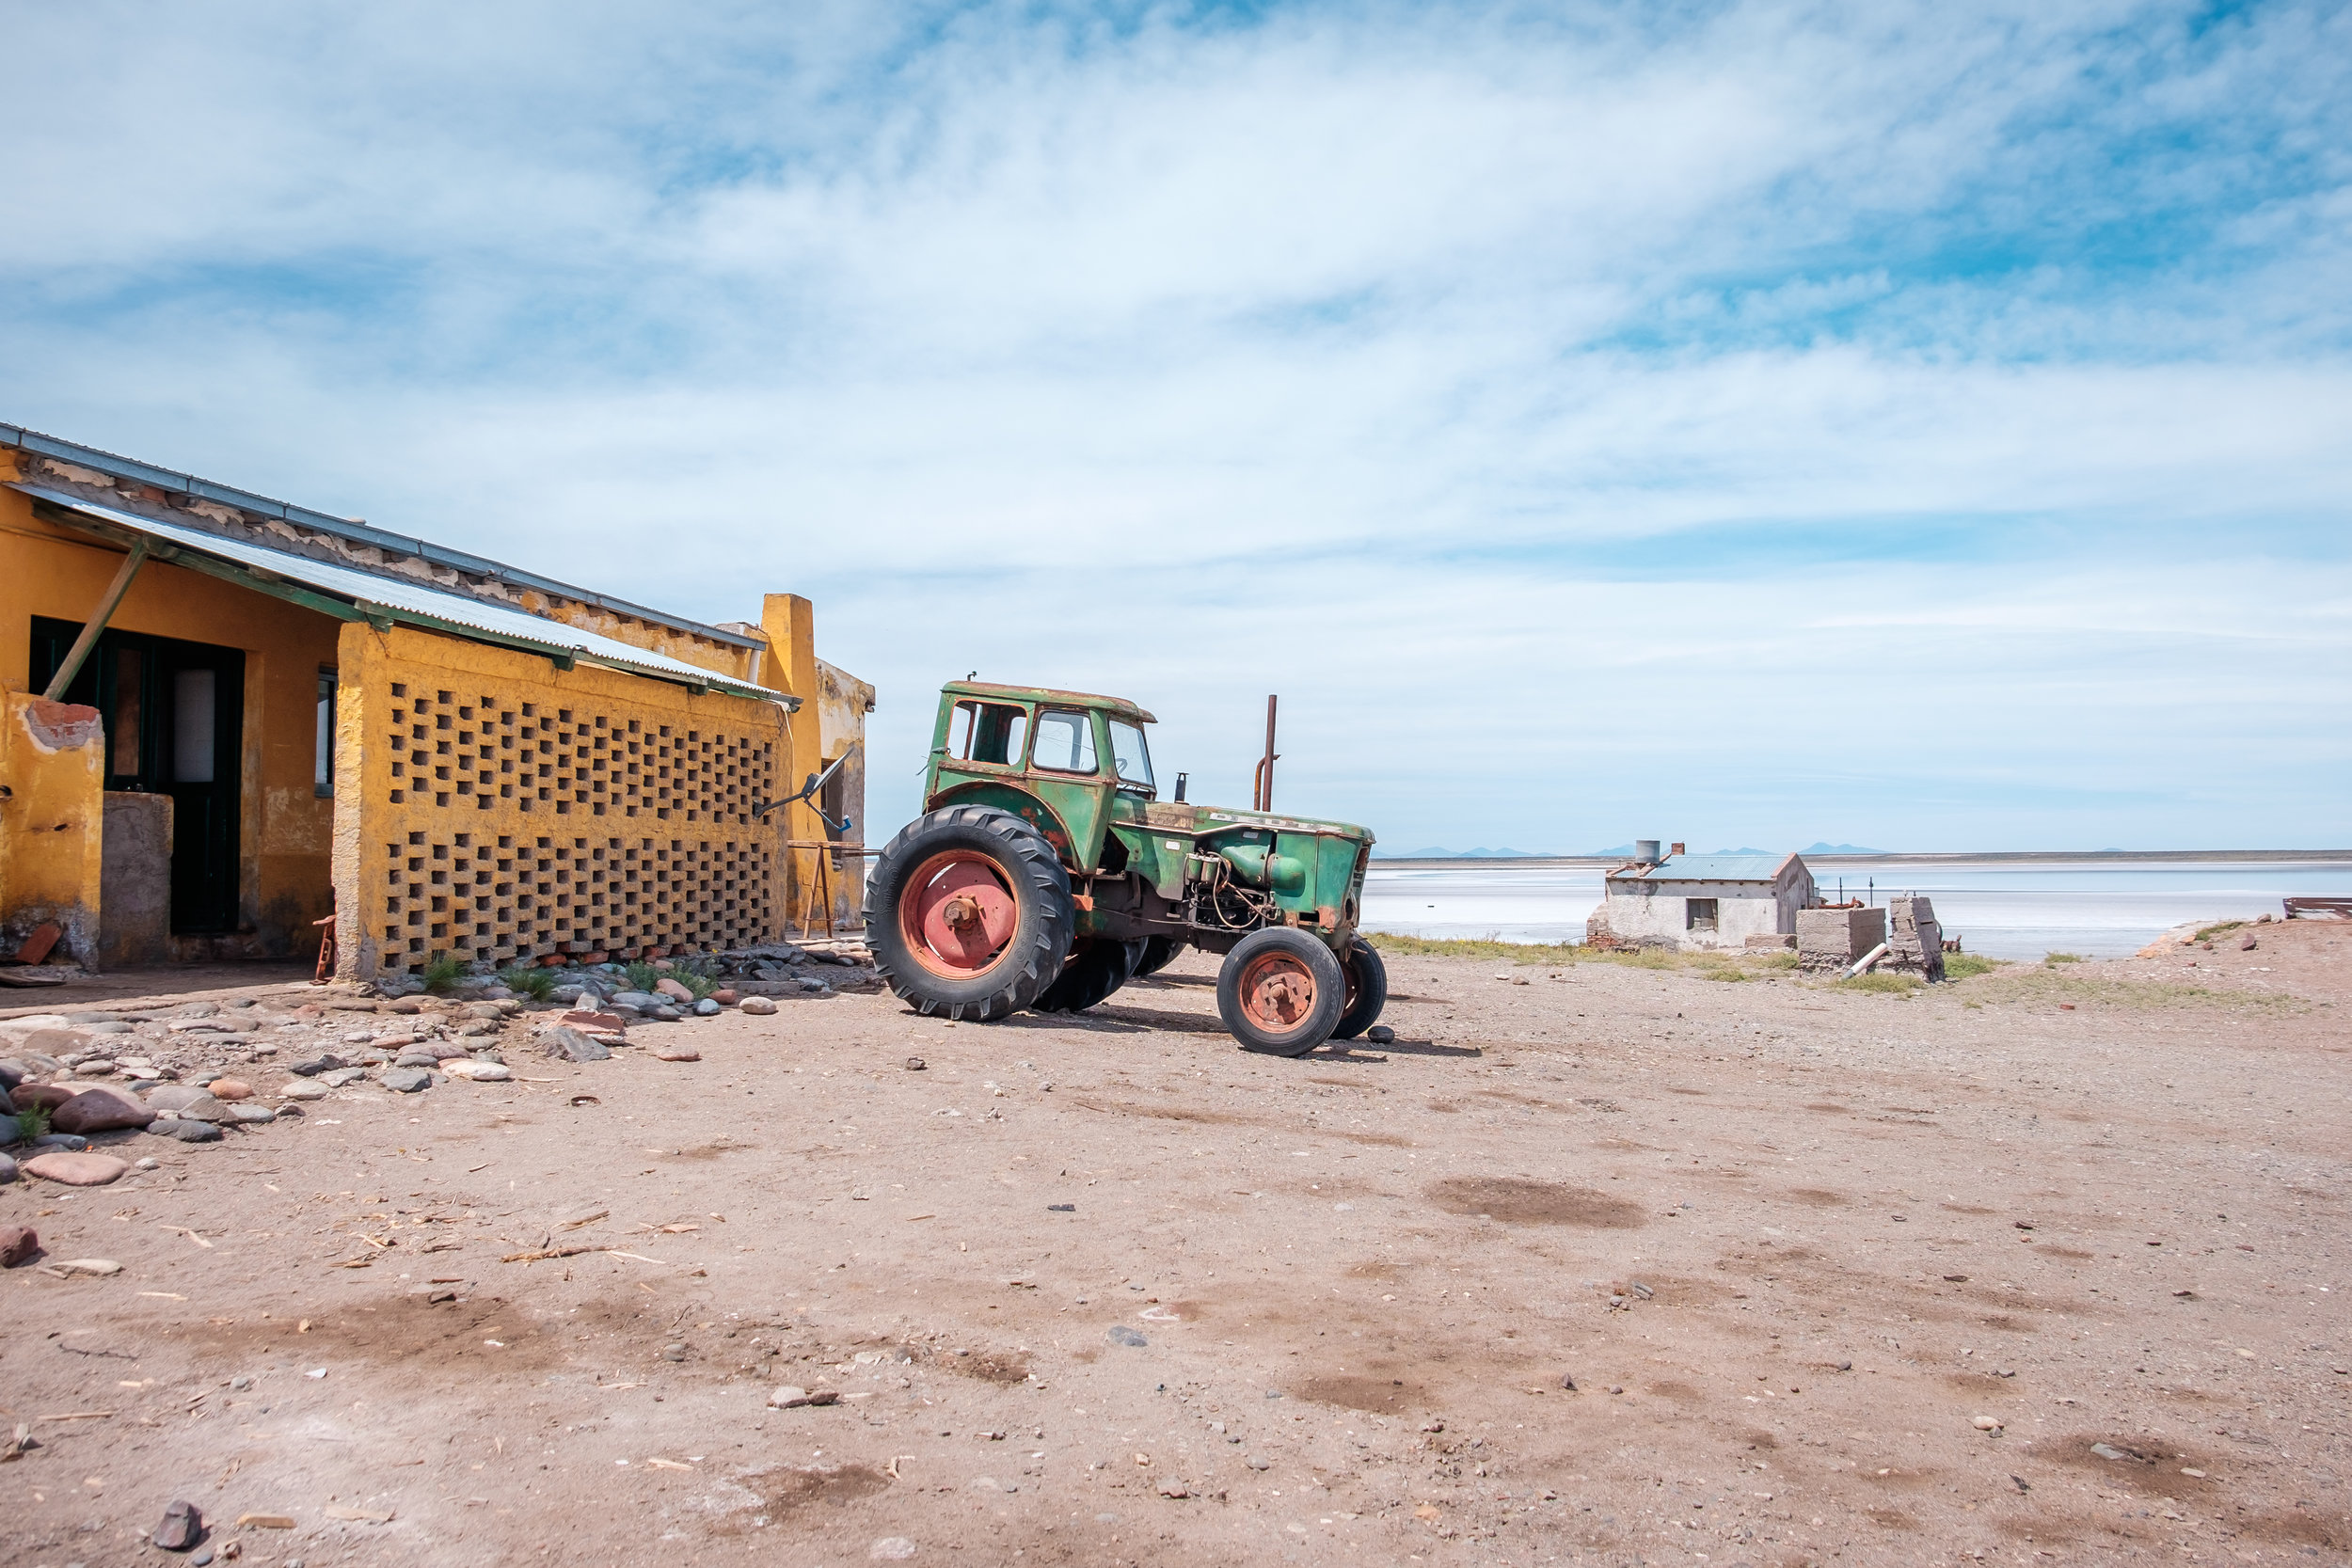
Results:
1065 741
1134 760
986 732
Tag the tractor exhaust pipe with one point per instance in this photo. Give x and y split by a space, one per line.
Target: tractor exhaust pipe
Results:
1262 788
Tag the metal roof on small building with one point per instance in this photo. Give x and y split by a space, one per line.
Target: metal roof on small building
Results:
352 595
1706 868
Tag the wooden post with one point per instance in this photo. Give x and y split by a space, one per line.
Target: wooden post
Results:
97 623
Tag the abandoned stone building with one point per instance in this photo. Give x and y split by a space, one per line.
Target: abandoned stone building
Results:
1703 902
232 723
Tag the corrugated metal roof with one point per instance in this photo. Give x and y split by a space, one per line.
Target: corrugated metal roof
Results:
345 528
413 602
1706 868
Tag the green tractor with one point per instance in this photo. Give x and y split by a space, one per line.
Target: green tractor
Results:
1045 872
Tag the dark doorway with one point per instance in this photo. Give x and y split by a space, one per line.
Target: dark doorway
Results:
175 725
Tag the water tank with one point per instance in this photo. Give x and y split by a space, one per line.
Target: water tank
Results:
1645 851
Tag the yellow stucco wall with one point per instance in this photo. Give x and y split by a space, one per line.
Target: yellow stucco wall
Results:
52 760
285 830
491 806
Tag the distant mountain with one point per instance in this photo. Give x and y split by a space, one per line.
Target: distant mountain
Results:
1743 852
1840 850
1443 854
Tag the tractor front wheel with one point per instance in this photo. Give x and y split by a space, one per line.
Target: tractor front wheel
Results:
1281 991
1367 990
969 913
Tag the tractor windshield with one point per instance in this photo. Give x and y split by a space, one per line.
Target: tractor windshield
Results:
1135 759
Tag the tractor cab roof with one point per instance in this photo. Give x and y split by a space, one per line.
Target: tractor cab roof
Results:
1120 707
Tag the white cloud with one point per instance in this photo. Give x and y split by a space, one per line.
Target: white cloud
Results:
1418 363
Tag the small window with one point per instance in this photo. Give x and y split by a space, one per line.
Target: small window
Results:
1699 914
986 732
323 762
1130 755
1065 741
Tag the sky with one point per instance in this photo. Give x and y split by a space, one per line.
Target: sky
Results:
1926 426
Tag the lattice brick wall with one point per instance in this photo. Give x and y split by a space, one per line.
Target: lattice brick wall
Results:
517 827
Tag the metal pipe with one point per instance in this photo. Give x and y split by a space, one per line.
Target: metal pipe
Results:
1264 797
97 623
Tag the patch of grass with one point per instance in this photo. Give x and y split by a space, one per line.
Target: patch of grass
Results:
641 974
2212 931
531 980
1710 966
2052 959
1967 966
442 974
2044 986
32 1122
1882 984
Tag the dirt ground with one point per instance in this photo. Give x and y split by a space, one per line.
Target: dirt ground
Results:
1787 1242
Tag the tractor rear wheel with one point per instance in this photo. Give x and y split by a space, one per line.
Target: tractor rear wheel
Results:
1158 953
969 913
1281 991
1098 967
1367 990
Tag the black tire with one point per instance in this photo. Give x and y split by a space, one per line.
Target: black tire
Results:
1099 967
1367 990
1030 879
1158 953
1306 982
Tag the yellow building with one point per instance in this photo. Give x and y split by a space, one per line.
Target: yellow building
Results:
230 720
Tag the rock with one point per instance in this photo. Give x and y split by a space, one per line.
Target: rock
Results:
94 1268
18 1242
202 1108
666 1014
250 1116
915 1064
444 1051
61 1143
1174 1488
417 1058
2246 942
338 1077
47 1096
1120 1334
1987 1423
1380 1033
759 1006
77 1170
570 1045
676 991
182 1528
790 1398
592 1022
1256 1463
230 1088
93 1067
101 1111
317 1065
303 1091
707 1007
186 1132
725 996
406 1079
11 1072
8 1170
891 1548
675 1054
638 999
478 1072
147 1162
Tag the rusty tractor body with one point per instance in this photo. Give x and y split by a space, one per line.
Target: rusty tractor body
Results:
1046 872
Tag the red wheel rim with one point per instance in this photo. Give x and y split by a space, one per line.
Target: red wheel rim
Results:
1278 991
957 913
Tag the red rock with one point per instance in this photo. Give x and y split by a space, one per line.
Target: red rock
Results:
101 1110
77 1170
18 1242
50 1096
37 946
674 989
677 1053
593 1024
725 996
230 1089
594 958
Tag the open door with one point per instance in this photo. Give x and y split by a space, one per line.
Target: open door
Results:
175 725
